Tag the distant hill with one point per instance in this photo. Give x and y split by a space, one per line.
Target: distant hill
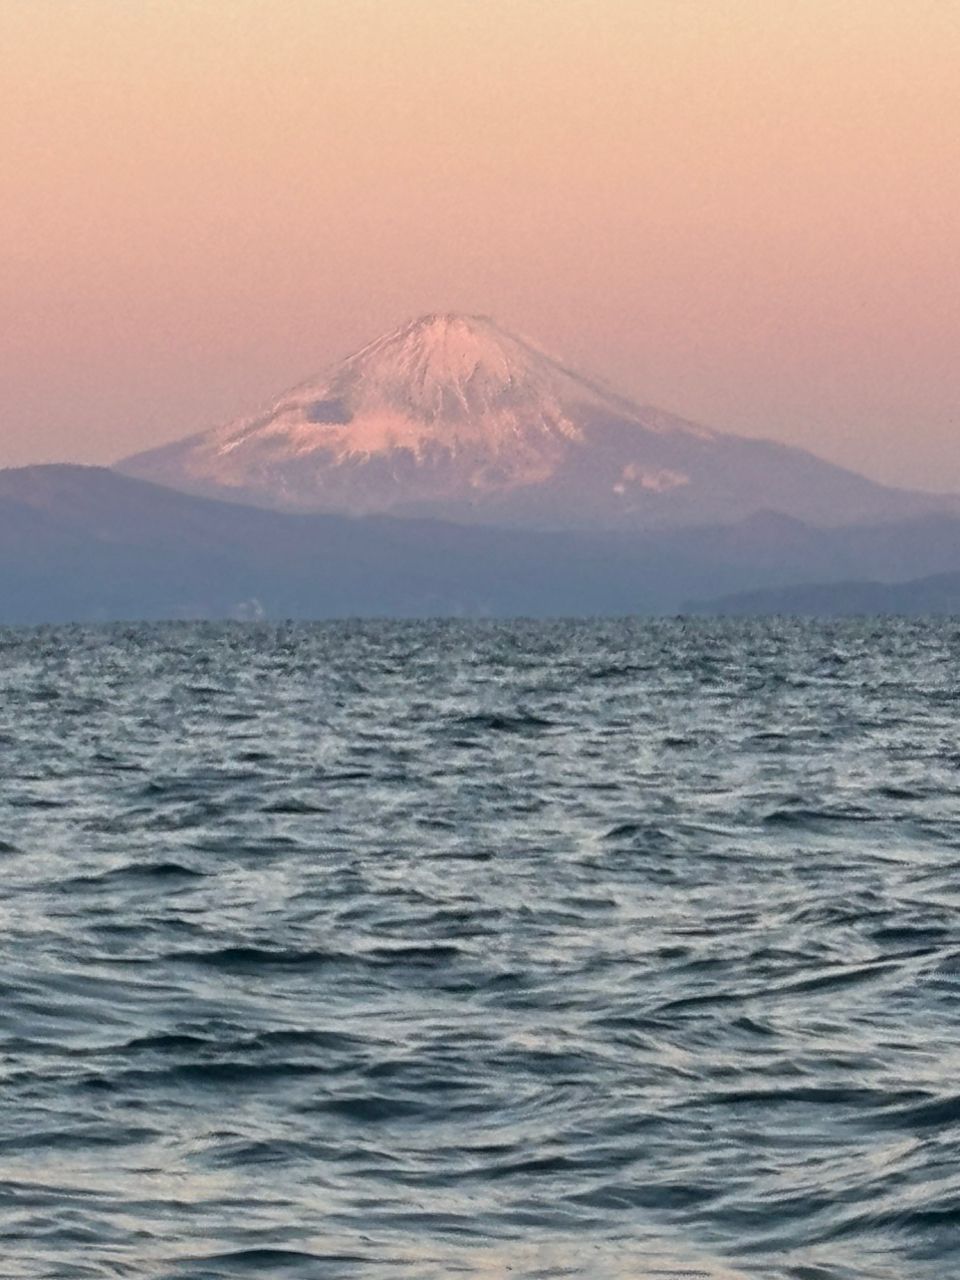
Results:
937 594
87 544
453 418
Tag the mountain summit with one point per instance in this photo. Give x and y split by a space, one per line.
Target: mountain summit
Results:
452 416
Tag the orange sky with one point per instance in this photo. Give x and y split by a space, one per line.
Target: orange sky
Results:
744 210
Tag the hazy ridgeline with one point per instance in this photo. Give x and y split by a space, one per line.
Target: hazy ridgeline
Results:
85 544
440 948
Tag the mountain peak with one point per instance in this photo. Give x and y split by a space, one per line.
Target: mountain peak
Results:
438 328
450 319
452 415
445 367
444 346
443 390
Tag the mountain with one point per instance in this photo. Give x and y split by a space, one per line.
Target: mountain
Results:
449 416
87 544
936 594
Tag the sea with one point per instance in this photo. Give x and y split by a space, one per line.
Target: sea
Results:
614 949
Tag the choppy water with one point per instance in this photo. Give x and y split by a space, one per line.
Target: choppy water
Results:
600 950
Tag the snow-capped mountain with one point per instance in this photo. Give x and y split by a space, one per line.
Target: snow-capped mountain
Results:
450 415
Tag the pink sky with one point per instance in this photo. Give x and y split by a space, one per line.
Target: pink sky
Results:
743 210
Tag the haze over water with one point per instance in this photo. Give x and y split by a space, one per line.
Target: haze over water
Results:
595 949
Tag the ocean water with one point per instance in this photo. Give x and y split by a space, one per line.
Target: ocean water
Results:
428 950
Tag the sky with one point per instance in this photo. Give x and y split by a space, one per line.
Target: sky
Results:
745 211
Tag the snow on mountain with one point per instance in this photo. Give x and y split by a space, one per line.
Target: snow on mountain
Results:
450 415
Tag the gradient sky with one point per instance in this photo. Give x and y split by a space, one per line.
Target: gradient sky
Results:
747 211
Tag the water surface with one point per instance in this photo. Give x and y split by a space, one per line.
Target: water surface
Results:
424 950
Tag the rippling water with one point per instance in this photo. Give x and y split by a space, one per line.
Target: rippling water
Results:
423 950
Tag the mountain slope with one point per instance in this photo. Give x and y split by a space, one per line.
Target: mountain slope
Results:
450 416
